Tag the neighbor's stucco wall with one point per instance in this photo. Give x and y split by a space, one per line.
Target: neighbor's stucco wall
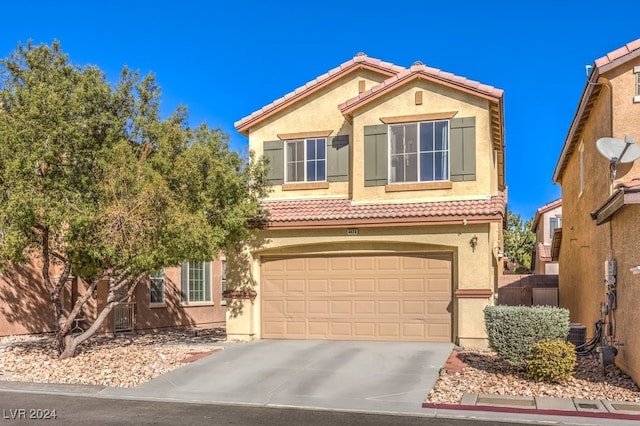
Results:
25 306
585 245
171 313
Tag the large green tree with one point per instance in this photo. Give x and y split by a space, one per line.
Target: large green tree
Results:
519 242
95 183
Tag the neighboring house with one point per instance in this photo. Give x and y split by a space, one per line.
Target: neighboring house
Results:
186 296
548 218
601 216
387 207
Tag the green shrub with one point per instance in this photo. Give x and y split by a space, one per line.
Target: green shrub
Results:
513 330
551 361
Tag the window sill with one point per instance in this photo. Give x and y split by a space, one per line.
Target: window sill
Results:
195 304
157 305
418 186
305 185
636 99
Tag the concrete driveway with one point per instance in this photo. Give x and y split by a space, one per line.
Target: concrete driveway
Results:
344 375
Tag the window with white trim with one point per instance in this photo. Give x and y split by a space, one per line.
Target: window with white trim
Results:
196 282
156 286
555 222
223 275
419 152
306 160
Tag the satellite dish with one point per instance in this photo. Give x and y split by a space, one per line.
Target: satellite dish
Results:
618 150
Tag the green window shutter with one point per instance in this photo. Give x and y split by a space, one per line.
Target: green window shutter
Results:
463 149
184 282
338 158
376 160
207 281
274 152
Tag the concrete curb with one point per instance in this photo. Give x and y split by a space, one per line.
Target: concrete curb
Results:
531 411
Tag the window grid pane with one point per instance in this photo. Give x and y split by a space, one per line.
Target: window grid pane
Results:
223 274
196 282
316 159
434 151
295 161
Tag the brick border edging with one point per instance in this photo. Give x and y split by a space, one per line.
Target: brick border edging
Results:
494 409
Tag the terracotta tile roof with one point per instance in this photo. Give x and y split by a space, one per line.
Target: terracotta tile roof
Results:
359 61
618 54
421 70
313 211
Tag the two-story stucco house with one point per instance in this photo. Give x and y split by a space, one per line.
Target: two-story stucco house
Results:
601 216
548 218
387 207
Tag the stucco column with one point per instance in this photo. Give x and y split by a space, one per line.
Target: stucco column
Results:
240 317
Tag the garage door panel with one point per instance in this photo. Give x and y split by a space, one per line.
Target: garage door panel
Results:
296 329
440 285
364 263
365 285
321 307
295 307
340 286
389 285
389 307
318 329
390 298
318 286
413 285
293 286
341 329
341 307
364 330
388 263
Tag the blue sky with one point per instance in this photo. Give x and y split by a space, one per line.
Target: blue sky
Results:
224 60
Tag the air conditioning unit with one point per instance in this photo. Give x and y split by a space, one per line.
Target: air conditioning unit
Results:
577 334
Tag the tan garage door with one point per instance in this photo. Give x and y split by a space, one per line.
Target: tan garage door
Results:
396 298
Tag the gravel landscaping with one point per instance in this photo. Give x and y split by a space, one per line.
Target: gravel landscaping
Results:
130 360
123 361
483 372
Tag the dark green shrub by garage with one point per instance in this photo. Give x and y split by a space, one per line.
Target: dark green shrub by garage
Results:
513 330
552 361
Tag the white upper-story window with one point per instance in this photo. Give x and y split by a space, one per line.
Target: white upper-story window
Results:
306 160
419 152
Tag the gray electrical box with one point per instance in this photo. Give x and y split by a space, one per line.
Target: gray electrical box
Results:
610 272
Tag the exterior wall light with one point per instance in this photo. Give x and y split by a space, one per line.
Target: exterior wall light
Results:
474 242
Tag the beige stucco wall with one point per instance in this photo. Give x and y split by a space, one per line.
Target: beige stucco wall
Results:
585 245
471 269
435 99
318 111
477 269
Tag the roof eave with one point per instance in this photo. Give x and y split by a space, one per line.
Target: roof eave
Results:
243 125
